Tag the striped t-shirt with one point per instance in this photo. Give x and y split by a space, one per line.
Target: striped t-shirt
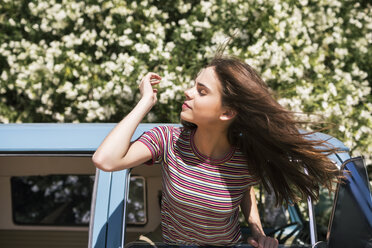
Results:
201 196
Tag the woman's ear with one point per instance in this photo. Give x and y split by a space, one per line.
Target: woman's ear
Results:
229 114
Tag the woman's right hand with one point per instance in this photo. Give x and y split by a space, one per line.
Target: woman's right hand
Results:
116 152
146 87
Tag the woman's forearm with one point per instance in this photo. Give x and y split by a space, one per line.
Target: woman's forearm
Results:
115 146
110 155
250 211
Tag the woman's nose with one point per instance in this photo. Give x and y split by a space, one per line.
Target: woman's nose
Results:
188 93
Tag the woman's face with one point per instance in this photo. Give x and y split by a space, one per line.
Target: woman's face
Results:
203 105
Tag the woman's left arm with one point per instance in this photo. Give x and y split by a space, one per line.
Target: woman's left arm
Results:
250 211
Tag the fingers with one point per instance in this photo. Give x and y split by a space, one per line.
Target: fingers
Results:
263 242
252 242
267 242
152 78
146 86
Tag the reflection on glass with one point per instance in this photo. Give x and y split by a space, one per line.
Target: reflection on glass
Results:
136 207
286 225
65 200
52 199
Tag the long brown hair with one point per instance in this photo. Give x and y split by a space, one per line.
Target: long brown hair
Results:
276 151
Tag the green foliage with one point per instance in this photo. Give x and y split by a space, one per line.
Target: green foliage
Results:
80 61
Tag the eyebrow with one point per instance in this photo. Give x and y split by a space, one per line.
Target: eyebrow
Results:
202 85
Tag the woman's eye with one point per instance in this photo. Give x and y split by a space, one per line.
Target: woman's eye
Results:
202 92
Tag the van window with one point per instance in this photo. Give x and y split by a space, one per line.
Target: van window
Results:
284 224
52 200
65 200
136 206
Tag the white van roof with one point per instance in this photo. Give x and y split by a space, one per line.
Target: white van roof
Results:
57 137
80 137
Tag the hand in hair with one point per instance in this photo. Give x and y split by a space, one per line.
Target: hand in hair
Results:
146 86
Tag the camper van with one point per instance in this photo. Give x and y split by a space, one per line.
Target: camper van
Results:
51 195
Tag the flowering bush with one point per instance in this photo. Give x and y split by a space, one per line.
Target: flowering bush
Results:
80 61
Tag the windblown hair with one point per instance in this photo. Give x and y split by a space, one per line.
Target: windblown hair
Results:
277 153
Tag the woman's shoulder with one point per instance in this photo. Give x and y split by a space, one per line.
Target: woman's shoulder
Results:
239 156
169 130
174 133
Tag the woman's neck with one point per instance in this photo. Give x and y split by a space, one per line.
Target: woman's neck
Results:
212 143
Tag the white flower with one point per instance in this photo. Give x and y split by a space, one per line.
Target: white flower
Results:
332 89
58 67
125 41
59 117
199 26
60 16
127 93
165 96
91 115
37 86
169 46
128 69
128 31
90 10
183 8
142 48
151 117
187 36
182 22
219 38
151 37
304 91
45 98
21 83
277 7
151 12
98 54
4 119
12 22
84 87
267 74
206 7
166 55
341 52
4 76
351 100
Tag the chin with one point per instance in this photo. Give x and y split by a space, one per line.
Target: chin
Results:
183 117
188 125
187 121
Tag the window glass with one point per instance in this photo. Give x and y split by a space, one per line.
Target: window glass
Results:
65 200
285 224
322 211
52 199
136 207
323 208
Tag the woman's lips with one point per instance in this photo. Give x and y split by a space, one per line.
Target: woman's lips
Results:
185 105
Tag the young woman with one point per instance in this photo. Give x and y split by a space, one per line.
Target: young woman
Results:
234 135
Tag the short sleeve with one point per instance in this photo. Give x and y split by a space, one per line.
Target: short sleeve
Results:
155 140
253 181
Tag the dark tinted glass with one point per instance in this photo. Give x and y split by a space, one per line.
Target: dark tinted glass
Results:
52 199
136 207
287 225
65 200
351 220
